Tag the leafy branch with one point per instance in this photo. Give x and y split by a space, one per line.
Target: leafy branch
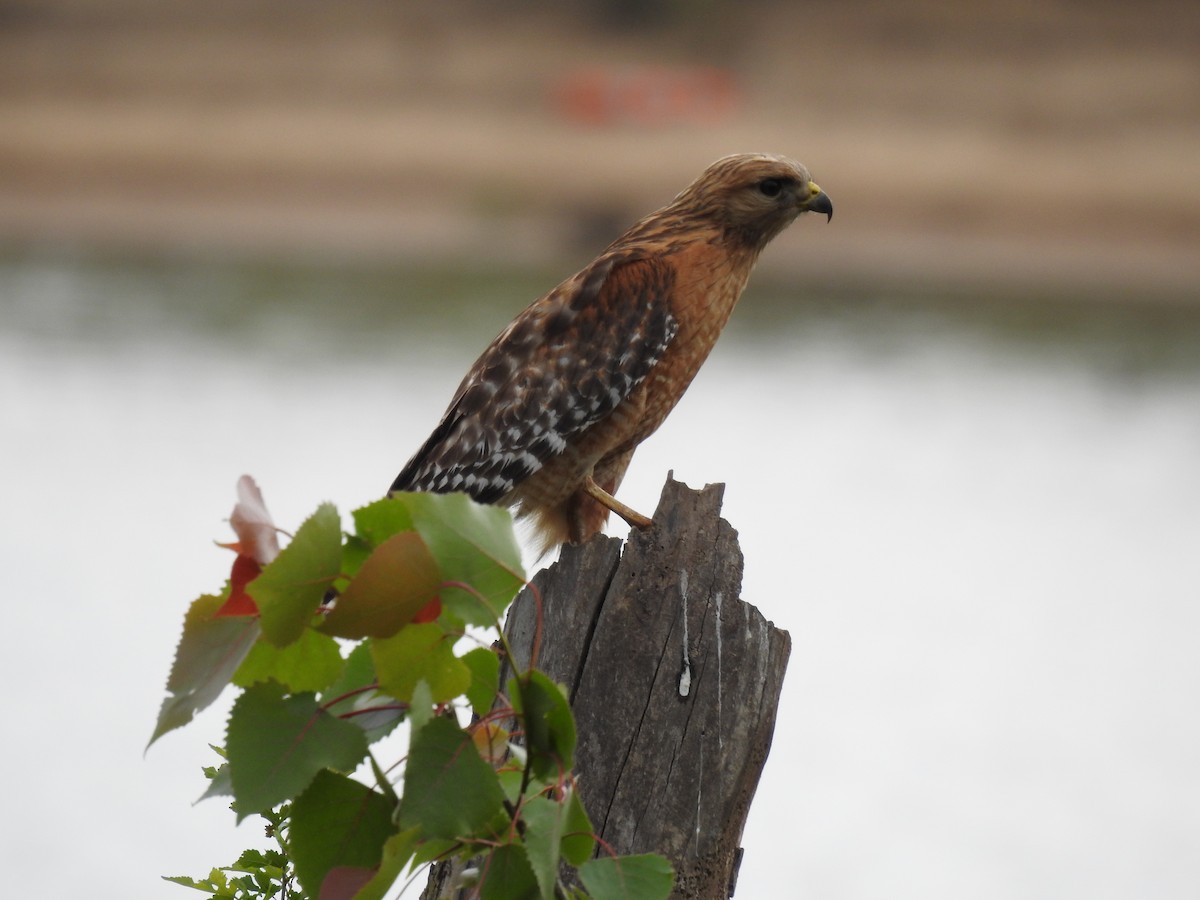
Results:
333 640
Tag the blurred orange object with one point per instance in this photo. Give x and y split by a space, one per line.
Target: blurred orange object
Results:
649 95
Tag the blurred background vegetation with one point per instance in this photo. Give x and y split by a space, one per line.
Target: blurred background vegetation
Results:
1015 148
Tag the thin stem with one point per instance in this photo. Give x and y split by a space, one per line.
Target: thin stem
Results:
372 709
374 686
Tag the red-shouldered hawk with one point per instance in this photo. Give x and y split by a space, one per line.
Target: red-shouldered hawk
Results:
549 416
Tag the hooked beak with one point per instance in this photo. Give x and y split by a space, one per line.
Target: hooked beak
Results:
818 201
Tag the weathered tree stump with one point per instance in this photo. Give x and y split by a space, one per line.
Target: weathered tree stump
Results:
674 682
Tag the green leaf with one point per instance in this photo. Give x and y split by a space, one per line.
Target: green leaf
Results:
215 884
355 551
208 654
290 588
549 725
506 875
261 874
278 743
449 791
397 851
220 785
420 709
337 823
435 849
395 583
544 820
646 876
511 782
473 544
378 521
312 663
484 664
420 653
358 672
578 841
357 702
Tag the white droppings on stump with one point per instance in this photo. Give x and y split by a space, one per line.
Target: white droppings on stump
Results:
685 676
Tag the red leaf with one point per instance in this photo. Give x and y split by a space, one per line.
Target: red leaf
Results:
343 882
245 570
429 612
257 545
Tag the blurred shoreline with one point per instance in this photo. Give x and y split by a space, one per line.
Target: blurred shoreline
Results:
1011 151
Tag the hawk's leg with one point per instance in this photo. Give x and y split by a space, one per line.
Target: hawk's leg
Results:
634 518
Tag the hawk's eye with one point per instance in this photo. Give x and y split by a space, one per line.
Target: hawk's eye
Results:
770 187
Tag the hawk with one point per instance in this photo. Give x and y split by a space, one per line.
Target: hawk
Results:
549 416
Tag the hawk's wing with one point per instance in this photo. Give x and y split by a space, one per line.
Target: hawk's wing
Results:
564 364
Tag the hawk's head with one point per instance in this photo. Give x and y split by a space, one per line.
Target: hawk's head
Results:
754 196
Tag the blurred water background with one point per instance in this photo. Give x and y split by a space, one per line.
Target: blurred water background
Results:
958 425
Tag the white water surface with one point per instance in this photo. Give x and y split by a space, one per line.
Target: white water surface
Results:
986 549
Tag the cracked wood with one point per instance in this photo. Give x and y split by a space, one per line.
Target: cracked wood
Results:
661 769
